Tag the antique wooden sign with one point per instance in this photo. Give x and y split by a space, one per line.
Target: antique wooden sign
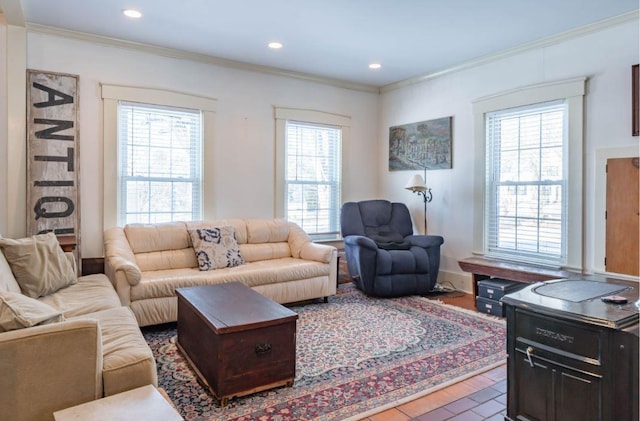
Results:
52 154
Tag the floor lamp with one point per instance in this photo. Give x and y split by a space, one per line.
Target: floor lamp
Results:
417 185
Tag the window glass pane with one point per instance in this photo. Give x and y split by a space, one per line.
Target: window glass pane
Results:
526 204
529 169
509 166
312 177
160 170
137 197
551 163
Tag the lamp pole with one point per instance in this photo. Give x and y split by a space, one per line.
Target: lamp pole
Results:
427 198
417 185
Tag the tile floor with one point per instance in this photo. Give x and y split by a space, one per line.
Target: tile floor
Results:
482 397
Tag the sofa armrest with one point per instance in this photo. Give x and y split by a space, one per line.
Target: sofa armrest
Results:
319 252
297 239
119 257
50 367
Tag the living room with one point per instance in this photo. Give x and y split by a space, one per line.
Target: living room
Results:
240 156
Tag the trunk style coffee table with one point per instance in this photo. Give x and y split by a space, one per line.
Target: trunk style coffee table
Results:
238 341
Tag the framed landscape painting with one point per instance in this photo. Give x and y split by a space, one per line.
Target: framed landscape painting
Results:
422 145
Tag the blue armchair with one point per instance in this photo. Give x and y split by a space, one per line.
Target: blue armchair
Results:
384 258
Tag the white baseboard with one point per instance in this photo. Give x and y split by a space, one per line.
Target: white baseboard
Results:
460 281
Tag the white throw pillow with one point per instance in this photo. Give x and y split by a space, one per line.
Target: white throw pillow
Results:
216 247
18 311
38 264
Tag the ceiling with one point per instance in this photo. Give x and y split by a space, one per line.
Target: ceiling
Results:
333 39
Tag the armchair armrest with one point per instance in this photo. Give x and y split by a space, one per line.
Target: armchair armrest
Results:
361 241
50 367
119 257
425 241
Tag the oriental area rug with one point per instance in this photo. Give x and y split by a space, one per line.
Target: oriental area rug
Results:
355 356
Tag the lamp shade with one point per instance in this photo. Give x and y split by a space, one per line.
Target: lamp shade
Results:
416 183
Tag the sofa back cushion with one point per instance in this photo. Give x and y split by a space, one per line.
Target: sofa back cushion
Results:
267 231
238 226
266 239
168 245
161 246
258 239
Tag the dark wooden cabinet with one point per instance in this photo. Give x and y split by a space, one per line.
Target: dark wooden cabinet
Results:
563 365
238 341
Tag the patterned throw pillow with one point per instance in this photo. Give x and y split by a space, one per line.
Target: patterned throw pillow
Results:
216 247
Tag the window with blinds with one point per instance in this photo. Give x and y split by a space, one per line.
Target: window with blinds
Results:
527 184
313 178
159 163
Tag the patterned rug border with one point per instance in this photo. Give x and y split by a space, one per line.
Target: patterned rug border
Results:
426 392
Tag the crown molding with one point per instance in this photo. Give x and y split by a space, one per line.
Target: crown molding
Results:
544 42
197 57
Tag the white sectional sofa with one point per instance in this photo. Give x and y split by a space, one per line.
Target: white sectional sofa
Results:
147 262
65 347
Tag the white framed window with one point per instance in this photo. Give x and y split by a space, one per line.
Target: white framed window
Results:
528 174
160 168
309 170
526 204
155 144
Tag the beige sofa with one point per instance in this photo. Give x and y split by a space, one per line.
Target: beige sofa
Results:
91 348
146 263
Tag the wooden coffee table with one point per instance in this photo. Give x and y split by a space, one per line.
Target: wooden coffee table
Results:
238 341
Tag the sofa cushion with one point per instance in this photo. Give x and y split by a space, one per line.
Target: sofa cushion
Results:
216 247
163 283
38 263
127 359
265 251
167 259
267 230
7 280
145 238
18 311
92 293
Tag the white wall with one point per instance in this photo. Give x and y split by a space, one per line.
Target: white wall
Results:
605 57
244 141
244 129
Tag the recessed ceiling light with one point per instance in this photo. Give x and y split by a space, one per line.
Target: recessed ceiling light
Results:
375 66
132 13
275 45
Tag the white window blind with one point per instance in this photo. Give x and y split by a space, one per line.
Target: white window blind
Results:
527 184
159 163
313 177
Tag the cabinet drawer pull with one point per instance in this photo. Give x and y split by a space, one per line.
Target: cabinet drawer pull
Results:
263 349
529 351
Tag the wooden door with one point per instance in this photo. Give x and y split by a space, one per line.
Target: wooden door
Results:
623 213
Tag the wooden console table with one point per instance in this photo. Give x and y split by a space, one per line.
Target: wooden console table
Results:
485 268
67 242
